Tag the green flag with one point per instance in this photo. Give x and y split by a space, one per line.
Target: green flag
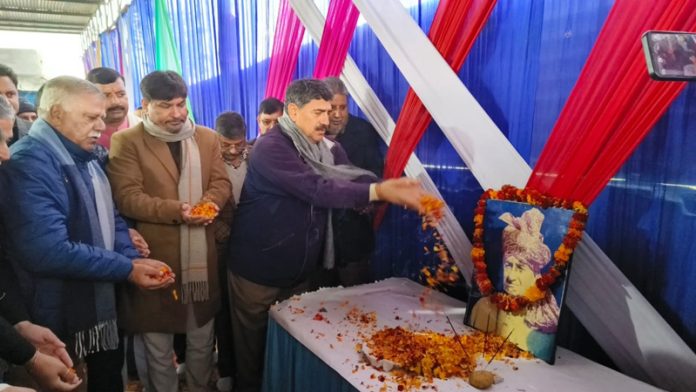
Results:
166 53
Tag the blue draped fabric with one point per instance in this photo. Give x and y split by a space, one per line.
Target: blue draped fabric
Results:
645 219
521 70
110 49
232 87
138 45
89 58
246 33
290 366
224 52
195 27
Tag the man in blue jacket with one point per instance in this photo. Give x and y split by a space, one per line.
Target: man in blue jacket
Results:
282 229
65 240
19 338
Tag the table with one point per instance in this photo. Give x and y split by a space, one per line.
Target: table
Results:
311 344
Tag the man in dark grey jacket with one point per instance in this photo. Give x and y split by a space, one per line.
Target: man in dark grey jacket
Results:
282 229
355 239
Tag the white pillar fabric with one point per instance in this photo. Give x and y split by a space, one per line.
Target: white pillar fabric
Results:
624 323
460 117
452 232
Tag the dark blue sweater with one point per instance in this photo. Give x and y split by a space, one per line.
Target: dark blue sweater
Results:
280 224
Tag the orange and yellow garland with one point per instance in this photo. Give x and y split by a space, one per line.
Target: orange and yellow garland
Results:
561 256
446 272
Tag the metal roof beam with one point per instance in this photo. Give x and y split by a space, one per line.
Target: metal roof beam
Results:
49 13
9 22
83 2
39 29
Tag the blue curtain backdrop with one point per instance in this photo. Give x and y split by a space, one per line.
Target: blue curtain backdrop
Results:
89 58
110 49
224 47
246 33
521 69
195 27
138 45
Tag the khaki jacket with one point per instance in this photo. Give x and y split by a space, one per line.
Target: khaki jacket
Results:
144 180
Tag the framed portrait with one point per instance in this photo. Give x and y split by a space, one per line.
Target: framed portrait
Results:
519 242
670 55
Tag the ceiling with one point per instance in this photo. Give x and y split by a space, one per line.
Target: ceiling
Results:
55 16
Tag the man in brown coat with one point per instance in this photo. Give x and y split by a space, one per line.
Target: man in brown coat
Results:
159 170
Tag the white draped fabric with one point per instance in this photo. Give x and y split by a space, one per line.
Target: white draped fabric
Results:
636 337
452 232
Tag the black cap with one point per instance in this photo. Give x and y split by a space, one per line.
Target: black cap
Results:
26 107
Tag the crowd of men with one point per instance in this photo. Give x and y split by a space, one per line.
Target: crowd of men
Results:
101 251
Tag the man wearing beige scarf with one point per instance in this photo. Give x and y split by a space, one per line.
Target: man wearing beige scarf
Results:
159 170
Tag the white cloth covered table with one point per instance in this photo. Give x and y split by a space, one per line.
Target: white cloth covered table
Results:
396 301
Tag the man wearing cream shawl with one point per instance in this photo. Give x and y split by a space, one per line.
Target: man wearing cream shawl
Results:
159 170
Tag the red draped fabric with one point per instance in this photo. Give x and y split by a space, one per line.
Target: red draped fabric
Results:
335 40
455 27
614 103
286 47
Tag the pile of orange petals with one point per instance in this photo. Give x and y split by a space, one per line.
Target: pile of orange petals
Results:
360 318
204 209
431 354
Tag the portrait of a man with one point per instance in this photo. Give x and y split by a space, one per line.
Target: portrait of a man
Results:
519 244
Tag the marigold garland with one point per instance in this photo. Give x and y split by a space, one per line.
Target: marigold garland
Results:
446 272
432 211
561 256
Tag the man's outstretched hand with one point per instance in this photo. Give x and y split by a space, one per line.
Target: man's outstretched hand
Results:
139 242
44 340
51 373
151 274
405 192
189 216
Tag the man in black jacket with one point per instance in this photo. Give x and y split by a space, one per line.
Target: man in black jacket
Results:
354 239
35 347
